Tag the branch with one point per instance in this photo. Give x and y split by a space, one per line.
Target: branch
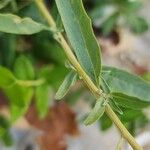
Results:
97 92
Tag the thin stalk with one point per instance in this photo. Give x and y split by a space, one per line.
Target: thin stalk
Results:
97 92
28 83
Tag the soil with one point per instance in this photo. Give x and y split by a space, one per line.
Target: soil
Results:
59 122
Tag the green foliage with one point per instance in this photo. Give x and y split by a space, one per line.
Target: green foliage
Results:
19 95
82 39
23 69
96 112
4 3
17 111
10 23
130 115
69 81
115 106
42 94
116 13
54 75
146 76
20 80
104 122
5 135
7 49
127 89
6 78
138 24
109 24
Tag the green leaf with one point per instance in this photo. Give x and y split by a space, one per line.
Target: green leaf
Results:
112 103
109 24
4 3
42 95
105 122
10 23
127 89
69 81
17 111
115 106
19 95
8 49
7 138
138 24
146 76
80 34
7 79
5 131
130 115
23 69
96 112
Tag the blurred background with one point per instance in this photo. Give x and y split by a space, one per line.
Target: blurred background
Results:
122 29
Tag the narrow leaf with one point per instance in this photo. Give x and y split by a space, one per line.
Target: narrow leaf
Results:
115 106
109 24
80 34
137 24
96 113
10 23
127 89
23 68
69 81
42 94
6 78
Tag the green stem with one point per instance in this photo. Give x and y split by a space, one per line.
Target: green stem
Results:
97 92
28 83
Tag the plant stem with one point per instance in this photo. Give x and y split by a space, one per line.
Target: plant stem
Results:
125 133
28 83
97 92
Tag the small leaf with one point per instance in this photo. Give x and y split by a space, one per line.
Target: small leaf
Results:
4 3
128 90
96 112
82 39
20 99
7 138
19 95
7 79
53 75
10 23
129 101
17 111
42 95
138 24
105 122
5 131
8 49
109 24
104 85
69 81
23 69
115 106
130 115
